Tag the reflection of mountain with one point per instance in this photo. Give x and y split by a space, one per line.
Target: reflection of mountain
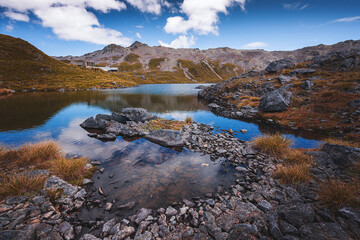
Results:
153 103
24 111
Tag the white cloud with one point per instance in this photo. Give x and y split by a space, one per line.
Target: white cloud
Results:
139 26
138 35
255 45
295 6
17 16
9 27
347 19
202 16
149 6
182 41
71 20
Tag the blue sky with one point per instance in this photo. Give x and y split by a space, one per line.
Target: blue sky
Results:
76 27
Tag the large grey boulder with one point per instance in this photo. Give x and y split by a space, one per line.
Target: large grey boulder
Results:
137 114
121 118
279 65
90 123
323 231
122 130
276 101
166 137
57 183
342 156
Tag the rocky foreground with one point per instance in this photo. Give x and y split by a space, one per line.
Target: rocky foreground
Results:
256 206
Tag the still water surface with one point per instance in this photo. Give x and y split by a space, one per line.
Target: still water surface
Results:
143 171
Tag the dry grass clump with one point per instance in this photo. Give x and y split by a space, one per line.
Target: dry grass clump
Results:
21 184
276 145
188 120
295 156
5 91
248 101
342 142
29 154
293 174
334 194
54 194
71 170
43 155
161 123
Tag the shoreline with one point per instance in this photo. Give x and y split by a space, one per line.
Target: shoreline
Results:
256 206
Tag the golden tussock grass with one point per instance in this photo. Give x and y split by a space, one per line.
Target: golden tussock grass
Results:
293 174
161 123
43 155
335 193
29 154
21 184
188 120
71 170
295 156
276 145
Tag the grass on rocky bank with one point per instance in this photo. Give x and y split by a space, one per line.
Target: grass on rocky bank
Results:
161 123
15 163
295 169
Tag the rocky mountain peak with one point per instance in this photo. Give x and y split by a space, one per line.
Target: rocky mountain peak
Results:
137 44
112 48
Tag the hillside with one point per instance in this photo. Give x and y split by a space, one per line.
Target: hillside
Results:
319 96
212 64
24 67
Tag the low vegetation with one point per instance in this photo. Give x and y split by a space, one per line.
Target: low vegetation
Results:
295 167
161 123
16 162
342 142
335 194
276 145
5 91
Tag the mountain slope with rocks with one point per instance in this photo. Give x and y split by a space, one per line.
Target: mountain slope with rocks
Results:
167 59
320 96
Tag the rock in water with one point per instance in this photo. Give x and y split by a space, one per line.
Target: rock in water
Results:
119 117
137 114
276 101
121 129
57 183
166 137
279 64
106 136
90 123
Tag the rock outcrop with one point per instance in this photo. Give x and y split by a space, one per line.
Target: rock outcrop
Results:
276 101
279 65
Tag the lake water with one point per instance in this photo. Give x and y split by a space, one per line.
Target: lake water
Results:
143 171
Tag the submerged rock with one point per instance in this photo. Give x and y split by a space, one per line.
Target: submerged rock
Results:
166 137
106 136
122 130
276 101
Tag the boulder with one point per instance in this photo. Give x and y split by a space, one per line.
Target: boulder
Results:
276 101
213 106
122 130
297 214
90 123
342 156
166 137
323 231
137 114
302 71
106 136
355 103
121 118
284 79
307 84
57 183
279 65
106 117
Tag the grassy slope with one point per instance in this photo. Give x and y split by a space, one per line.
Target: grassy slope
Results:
23 66
323 109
